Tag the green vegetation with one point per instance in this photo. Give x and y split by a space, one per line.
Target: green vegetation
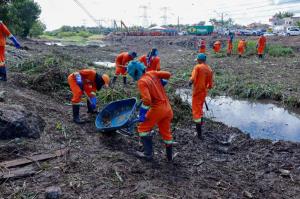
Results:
20 16
281 15
279 51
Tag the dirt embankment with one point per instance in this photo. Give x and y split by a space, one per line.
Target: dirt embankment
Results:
227 164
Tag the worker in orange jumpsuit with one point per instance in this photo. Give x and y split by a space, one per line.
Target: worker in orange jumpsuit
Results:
202 80
86 82
261 45
202 48
242 45
4 33
229 44
121 65
155 108
217 46
151 60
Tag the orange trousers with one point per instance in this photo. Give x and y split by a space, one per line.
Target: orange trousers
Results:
241 50
160 115
2 56
260 50
197 106
77 92
121 71
229 48
202 50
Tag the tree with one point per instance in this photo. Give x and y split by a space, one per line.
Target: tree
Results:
23 14
281 15
298 23
37 29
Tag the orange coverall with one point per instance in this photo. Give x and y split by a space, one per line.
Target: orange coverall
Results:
4 32
202 77
229 46
89 85
241 47
121 62
202 48
153 65
154 96
217 46
261 45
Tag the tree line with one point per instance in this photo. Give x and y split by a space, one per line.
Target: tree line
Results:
22 17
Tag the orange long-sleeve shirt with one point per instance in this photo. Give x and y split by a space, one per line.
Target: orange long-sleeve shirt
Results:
89 78
242 44
4 32
153 65
151 90
202 77
123 59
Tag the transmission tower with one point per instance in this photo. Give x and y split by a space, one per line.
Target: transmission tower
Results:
165 15
145 22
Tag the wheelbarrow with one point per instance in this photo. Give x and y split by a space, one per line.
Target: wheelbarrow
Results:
118 115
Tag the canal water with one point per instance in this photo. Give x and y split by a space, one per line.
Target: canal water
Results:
260 120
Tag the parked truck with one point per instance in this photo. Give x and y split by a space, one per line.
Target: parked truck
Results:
200 30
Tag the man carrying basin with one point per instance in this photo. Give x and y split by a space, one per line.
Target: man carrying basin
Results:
155 108
86 82
202 80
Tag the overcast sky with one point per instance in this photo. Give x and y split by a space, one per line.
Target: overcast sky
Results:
56 13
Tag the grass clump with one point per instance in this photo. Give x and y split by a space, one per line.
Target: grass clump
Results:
279 51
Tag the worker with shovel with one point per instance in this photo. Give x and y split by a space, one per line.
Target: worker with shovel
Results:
121 65
4 33
155 108
86 82
151 60
202 80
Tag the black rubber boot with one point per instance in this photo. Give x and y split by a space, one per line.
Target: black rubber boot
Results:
148 148
125 80
240 56
169 152
76 118
3 76
114 80
199 131
260 56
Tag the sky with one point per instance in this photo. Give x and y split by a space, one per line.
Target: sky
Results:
56 13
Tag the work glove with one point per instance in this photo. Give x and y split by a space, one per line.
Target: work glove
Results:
163 82
16 43
79 81
143 111
190 83
93 101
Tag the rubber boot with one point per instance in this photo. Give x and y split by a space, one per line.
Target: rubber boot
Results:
3 76
169 152
240 56
148 148
76 118
90 109
199 130
125 80
260 56
114 80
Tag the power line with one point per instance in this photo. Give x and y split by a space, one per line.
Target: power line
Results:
145 15
165 15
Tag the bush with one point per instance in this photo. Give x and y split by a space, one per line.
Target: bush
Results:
279 51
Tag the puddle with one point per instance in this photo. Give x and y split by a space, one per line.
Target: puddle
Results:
259 120
105 64
54 44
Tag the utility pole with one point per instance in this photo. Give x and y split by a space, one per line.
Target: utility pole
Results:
144 15
165 15
178 24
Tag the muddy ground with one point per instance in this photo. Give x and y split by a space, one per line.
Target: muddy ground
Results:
227 164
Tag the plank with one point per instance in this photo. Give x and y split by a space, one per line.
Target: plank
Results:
18 173
34 158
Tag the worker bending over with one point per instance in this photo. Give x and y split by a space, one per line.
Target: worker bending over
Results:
4 33
202 48
242 45
229 44
121 65
151 60
261 45
155 108
86 82
217 46
202 80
